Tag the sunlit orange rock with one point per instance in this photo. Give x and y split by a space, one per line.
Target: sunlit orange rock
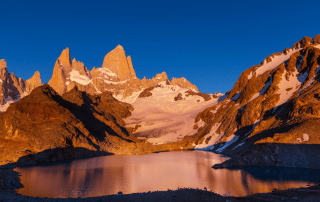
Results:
184 83
116 61
33 82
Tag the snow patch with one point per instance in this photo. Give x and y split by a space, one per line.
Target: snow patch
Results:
275 61
81 79
311 80
114 82
317 46
170 120
107 72
247 134
214 137
218 94
254 97
200 124
287 88
8 101
215 111
305 137
250 75
130 99
230 140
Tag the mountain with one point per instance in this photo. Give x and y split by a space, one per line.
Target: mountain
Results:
116 75
45 127
271 112
76 115
13 88
269 118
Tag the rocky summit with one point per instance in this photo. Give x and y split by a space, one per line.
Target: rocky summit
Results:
269 118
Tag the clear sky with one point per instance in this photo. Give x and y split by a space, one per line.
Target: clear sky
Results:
208 42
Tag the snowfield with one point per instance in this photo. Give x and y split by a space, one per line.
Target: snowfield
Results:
164 120
81 79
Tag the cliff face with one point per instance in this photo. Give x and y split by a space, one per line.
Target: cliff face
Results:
13 88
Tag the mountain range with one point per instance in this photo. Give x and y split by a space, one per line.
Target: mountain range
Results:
269 118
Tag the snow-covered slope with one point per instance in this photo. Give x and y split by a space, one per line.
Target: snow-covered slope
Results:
160 118
266 99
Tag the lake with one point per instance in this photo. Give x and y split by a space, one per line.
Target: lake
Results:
159 171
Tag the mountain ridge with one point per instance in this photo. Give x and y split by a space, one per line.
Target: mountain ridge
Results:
116 75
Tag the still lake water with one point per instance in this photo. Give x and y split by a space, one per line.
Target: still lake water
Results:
159 171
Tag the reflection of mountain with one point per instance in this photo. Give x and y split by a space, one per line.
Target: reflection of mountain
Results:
152 172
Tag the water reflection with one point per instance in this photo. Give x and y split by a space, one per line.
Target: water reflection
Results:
161 171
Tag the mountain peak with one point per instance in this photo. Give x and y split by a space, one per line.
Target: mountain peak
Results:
119 47
3 64
65 57
116 61
184 83
133 73
61 68
33 82
316 39
302 43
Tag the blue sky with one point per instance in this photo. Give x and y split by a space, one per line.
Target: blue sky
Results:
208 42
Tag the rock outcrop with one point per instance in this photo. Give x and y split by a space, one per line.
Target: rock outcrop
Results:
117 62
184 83
67 72
33 82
